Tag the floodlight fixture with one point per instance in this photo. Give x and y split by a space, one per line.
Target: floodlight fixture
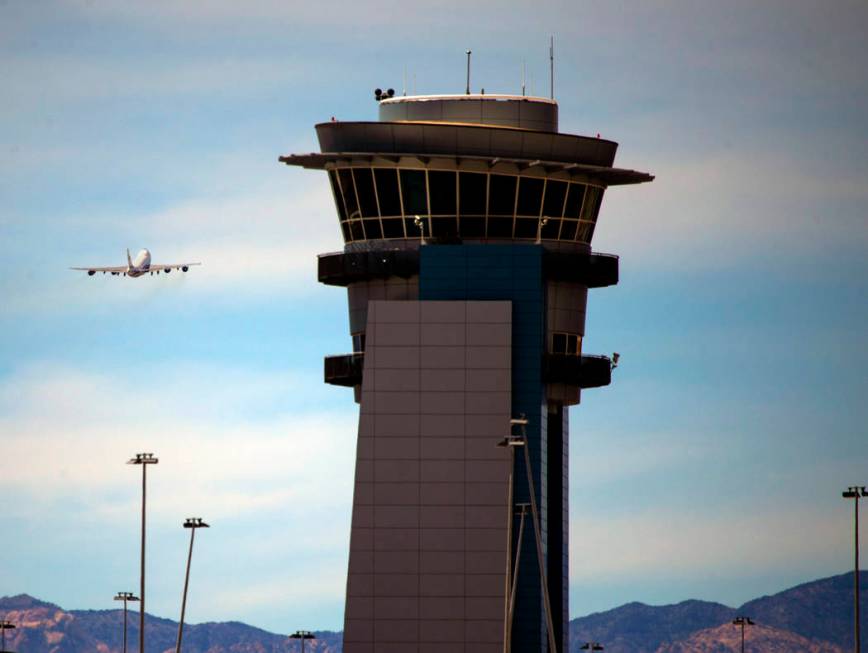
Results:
302 635
419 222
743 621
125 597
615 358
591 646
543 221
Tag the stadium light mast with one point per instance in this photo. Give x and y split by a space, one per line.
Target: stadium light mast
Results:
743 621
302 635
125 596
4 626
856 492
192 523
143 459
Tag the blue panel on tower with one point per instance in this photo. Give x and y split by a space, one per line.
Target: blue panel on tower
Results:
509 272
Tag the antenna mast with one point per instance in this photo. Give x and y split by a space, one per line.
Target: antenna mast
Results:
552 66
523 77
467 88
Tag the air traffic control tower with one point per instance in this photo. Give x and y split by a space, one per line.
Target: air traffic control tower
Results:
467 223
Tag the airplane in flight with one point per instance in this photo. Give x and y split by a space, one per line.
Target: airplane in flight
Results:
136 267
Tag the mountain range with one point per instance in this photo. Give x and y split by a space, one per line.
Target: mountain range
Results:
815 617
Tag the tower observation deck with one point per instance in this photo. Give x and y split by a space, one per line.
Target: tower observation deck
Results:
467 223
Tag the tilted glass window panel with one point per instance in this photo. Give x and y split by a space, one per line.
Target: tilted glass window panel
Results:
530 191
591 206
568 229
365 191
414 192
585 232
472 191
393 228
387 191
345 228
339 200
574 201
551 229
441 186
444 227
526 227
553 205
356 230
499 227
349 190
372 228
501 195
572 343
472 227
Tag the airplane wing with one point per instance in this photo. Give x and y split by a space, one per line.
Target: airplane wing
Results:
120 268
170 266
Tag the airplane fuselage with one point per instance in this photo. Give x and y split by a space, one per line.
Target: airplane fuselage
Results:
139 265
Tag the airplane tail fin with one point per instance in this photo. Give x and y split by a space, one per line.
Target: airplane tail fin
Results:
129 259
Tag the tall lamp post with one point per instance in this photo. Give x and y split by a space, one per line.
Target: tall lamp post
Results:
192 523
521 441
591 646
856 492
125 596
143 459
302 635
4 626
743 621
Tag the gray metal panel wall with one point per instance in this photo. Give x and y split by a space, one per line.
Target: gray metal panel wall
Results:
428 544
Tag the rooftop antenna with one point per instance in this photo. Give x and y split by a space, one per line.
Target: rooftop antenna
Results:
404 90
467 88
523 76
414 83
552 66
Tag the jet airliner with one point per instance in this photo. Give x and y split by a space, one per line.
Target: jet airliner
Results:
139 266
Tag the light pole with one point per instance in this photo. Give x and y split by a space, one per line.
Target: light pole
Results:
143 459
521 441
591 646
125 596
4 626
743 621
192 523
856 492
302 635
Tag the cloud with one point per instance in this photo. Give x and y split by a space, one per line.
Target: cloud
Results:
707 211
761 539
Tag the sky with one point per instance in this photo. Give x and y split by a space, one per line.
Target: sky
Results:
711 468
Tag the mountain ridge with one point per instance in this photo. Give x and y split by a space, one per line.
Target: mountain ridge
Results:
812 617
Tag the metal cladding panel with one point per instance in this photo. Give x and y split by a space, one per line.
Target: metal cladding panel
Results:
521 112
457 140
428 546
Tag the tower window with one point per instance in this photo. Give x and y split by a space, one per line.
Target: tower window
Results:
501 196
574 201
414 193
387 193
569 344
553 205
442 191
365 190
530 192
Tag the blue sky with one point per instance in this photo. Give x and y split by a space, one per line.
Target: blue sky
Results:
711 468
